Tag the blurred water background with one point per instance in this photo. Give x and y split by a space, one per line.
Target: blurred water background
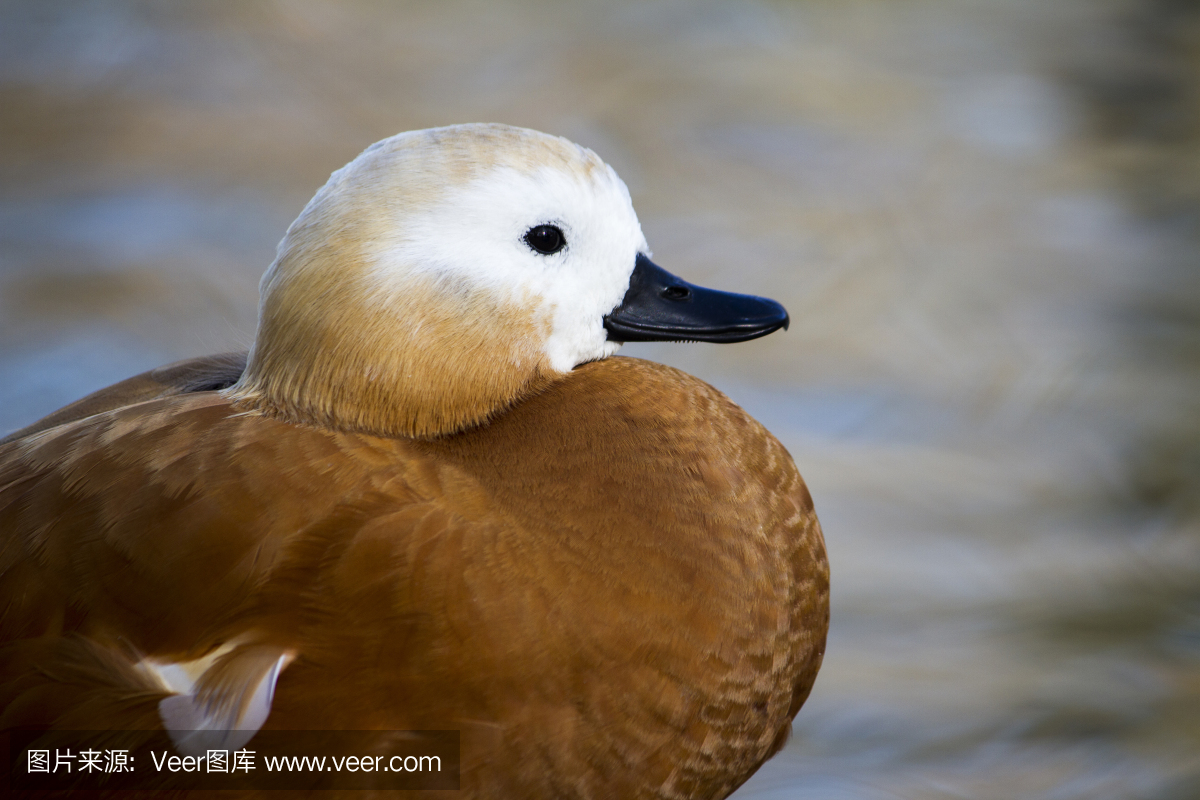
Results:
983 215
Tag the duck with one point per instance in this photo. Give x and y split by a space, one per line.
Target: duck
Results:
431 497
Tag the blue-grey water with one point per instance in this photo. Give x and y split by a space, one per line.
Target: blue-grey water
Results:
984 217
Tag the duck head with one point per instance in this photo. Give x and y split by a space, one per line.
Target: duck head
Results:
444 274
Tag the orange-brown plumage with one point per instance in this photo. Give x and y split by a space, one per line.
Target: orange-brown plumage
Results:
616 587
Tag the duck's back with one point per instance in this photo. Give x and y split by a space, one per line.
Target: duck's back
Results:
616 588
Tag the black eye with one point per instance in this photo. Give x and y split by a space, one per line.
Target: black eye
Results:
546 239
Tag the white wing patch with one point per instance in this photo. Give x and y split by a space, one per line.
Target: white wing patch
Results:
220 700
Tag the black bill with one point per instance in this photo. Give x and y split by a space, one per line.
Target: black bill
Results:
662 308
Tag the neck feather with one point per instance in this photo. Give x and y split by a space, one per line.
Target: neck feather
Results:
393 368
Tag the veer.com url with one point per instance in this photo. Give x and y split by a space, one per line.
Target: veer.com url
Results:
353 764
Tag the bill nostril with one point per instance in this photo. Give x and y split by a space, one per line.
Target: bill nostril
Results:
677 293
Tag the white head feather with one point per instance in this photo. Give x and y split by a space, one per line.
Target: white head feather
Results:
475 235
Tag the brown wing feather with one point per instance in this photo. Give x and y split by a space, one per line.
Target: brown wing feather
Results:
203 374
